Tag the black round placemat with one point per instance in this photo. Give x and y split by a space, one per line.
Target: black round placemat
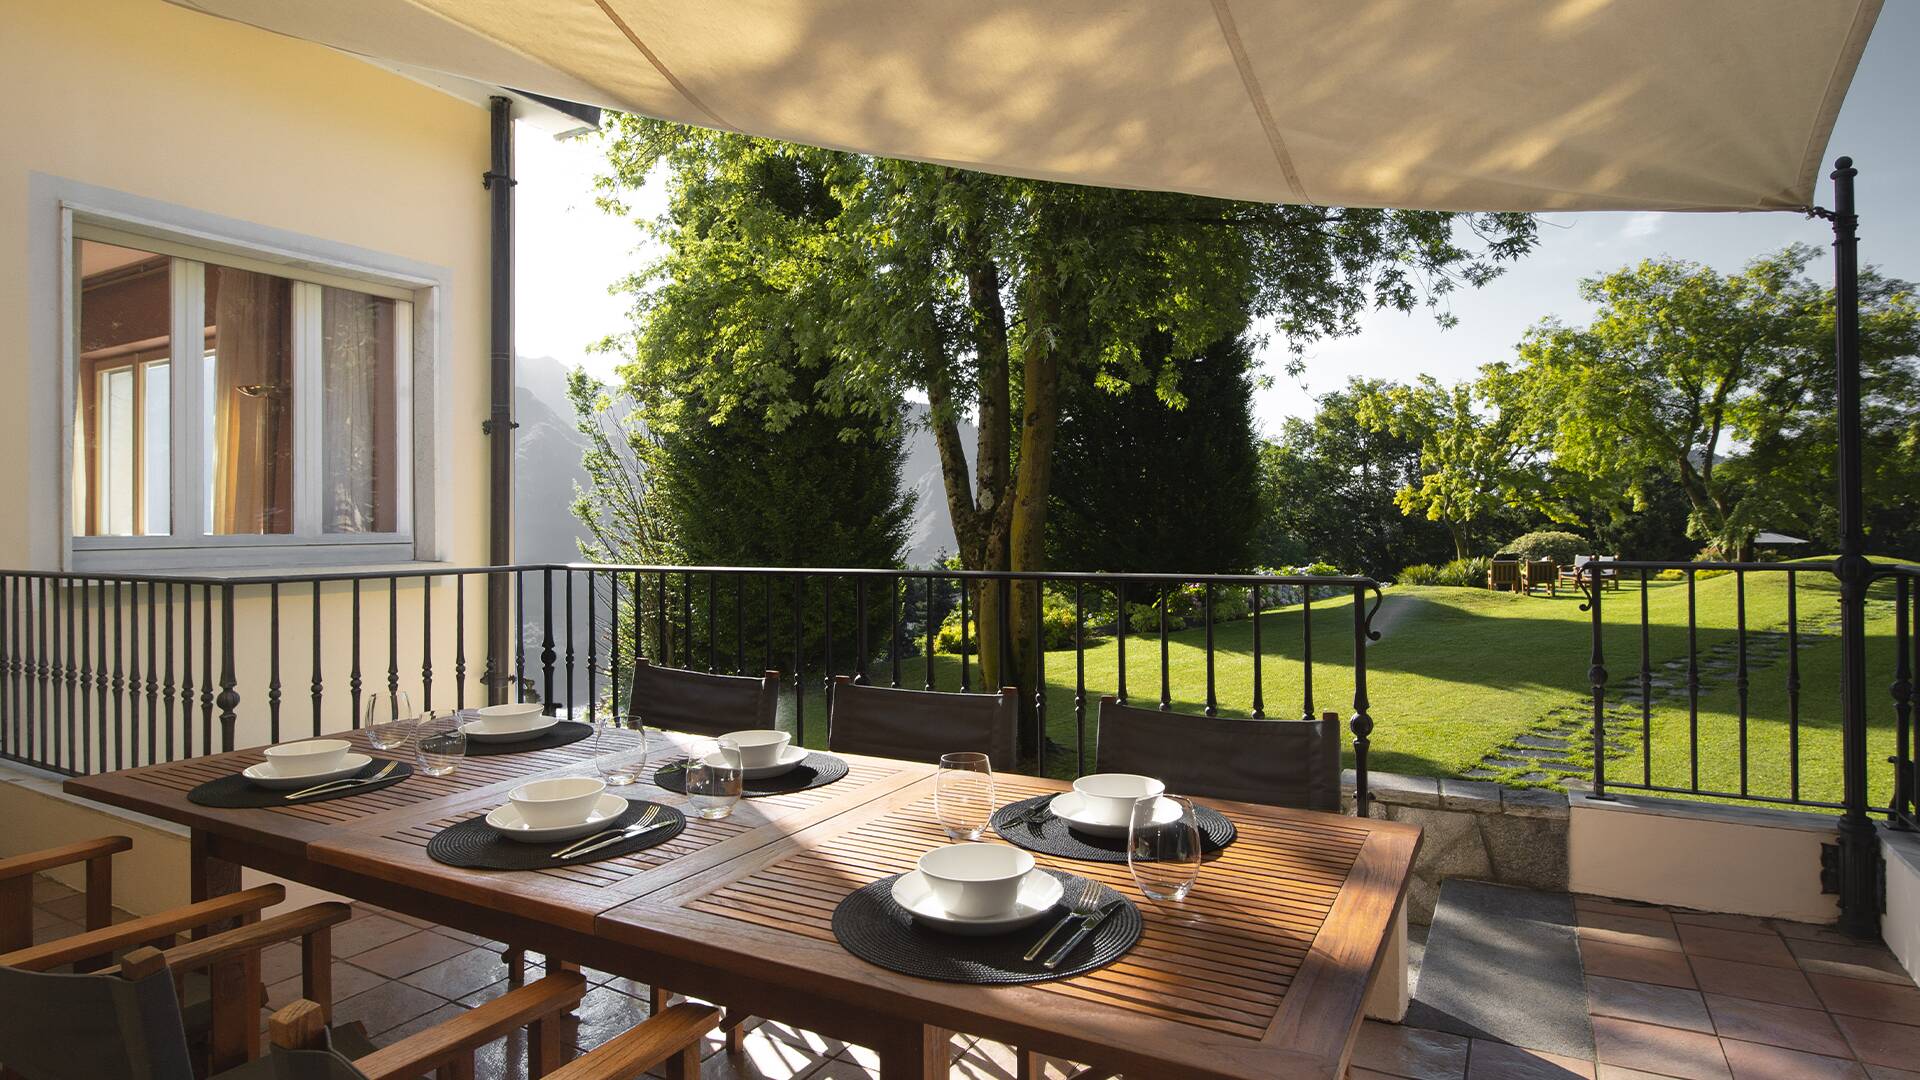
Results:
563 733
1050 835
236 792
818 770
474 845
874 928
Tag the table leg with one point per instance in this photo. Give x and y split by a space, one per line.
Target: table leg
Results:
234 986
927 1057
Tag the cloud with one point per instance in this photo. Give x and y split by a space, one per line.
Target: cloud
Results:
1640 226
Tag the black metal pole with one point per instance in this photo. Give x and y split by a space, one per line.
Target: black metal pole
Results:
499 424
1859 845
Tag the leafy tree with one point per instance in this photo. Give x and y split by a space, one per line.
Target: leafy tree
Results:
618 506
1140 487
1470 466
1683 366
838 283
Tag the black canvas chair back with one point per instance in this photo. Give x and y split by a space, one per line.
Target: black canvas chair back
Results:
921 725
699 703
84 1027
1292 763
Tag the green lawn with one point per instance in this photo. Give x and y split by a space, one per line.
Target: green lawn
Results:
1459 673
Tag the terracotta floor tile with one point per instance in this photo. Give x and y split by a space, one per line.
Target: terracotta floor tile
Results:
1870 962
1353 1073
1616 1072
1873 1000
385 1007
1888 1072
404 956
419 1023
1756 982
1767 948
1636 965
1802 931
1755 1061
605 1013
1880 1043
1663 1051
1410 1051
1776 1025
348 980
355 937
1671 1006
1721 921
1498 1061
460 975
1620 907
1622 930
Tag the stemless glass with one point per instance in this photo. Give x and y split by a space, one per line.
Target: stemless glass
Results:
390 727
1163 847
620 750
439 743
713 776
963 795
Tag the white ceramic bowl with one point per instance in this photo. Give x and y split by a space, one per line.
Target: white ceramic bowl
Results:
309 758
1109 797
506 719
759 747
546 804
976 881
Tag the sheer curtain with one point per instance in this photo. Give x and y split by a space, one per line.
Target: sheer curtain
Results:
253 391
357 452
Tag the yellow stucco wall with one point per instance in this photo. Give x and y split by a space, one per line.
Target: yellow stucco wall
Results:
145 98
155 102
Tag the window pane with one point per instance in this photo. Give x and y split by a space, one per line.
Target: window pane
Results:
358 456
249 319
125 325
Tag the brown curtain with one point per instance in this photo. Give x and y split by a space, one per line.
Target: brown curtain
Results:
253 395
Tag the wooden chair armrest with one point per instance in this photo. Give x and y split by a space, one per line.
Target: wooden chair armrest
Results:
35 861
427 1050
241 940
143 930
640 1048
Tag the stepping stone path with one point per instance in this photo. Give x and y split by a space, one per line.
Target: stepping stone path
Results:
1558 746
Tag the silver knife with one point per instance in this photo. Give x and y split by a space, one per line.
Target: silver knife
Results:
344 784
627 833
1089 926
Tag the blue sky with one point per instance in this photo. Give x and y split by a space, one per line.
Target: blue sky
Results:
569 251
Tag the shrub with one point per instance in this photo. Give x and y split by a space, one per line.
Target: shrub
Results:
1561 547
1469 573
1056 627
1418 574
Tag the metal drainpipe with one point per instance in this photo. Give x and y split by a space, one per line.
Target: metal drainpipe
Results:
499 424
1859 854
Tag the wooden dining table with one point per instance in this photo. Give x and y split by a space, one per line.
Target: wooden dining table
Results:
1263 971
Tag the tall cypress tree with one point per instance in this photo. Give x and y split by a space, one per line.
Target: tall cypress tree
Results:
1145 487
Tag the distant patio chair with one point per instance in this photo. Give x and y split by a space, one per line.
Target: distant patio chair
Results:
1604 576
1541 574
1503 574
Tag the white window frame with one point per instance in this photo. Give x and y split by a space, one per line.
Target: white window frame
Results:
308 545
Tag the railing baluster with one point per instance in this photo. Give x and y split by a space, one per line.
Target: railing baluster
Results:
153 677
83 687
933 621
1259 704
1306 652
966 587
206 667
273 653
1793 685
860 648
393 642
546 640
686 618
1693 682
799 663
353 673
662 650
1597 680
567 577
459 641
713 622
520 635
893 628
1206 614
426 641
38 602
166 681
593 651
229 699
119 682
1361 723
1166 685
1006 637
1902 690
186 681
316 683
766 596
1039 677
1646 683
1121 623
1740 665
739 624
55 744
826 635
134 676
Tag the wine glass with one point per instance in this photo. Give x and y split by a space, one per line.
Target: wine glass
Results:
713 777
391 727
1163 847
963 795
620 749
439 743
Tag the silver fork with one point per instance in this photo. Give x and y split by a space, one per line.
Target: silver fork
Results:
331 784
1084 905
642 824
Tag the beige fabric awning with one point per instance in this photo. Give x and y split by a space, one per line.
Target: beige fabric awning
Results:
1444 104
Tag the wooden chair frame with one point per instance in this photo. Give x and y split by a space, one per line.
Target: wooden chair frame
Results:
16 885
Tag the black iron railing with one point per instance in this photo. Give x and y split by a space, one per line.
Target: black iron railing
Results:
109 671
1654 729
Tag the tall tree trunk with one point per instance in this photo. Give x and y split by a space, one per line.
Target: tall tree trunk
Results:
1459 534
1039 428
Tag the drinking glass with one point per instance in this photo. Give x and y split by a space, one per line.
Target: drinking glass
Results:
714 776
390 727
1163 848
620 750
439 743
963 795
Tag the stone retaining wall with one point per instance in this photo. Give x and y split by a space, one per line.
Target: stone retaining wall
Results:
1474 829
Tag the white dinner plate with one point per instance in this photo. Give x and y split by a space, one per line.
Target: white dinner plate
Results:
265 775
790 759
1039 893
1067 805
539 728
506 821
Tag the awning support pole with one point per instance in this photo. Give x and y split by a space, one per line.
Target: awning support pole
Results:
499 424
1859 848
